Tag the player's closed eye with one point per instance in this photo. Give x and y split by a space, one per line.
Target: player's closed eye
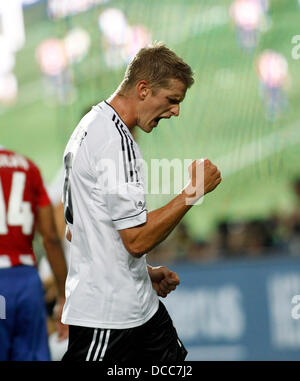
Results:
173 101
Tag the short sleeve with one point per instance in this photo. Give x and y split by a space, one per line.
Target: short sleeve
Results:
127 206
121 179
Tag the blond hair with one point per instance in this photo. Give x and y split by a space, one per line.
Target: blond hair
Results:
156 64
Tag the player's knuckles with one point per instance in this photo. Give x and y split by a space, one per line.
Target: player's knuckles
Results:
210 170
171 282
168 274
214 169
175 281
217 175
164 287
172 276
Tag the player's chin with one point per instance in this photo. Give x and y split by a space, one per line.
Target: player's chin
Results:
148 128
152 126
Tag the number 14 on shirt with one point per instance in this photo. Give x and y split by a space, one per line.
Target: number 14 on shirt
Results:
19 212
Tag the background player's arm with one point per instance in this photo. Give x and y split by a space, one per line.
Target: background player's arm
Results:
55 255
141 239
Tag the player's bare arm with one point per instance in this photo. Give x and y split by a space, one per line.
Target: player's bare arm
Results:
160 222
47 228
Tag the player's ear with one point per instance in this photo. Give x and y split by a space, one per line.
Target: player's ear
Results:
143 89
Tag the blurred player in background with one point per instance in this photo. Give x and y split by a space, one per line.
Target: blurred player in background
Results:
112 303
273 73
25 206
250 18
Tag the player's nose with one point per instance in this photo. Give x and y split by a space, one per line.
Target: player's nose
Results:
175 110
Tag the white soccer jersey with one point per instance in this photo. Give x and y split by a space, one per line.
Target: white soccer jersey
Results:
104 192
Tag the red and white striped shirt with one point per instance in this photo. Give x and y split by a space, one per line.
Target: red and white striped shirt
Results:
22 192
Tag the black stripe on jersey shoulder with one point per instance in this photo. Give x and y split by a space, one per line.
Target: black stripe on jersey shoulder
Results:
115 112
127 148
129 153
123 147
130 142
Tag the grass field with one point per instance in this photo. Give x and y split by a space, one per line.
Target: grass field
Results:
222 118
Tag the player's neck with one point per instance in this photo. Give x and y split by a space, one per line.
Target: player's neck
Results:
125 107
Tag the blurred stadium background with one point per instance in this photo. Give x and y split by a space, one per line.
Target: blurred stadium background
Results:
238 252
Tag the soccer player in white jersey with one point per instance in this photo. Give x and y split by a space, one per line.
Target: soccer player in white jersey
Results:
112 295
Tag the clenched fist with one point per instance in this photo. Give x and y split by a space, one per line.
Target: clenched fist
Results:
204 177
163 280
